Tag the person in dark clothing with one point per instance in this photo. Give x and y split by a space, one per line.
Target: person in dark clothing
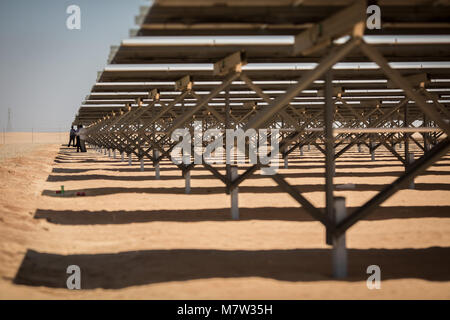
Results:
73 134
78 138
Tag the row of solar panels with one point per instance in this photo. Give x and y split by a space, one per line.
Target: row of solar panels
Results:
179 38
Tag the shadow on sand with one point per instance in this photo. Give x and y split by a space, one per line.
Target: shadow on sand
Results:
305 188
87 177
124 269
74 217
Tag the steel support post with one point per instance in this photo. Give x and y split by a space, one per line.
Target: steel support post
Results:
425 135
405 135
227 126
329 149
187 181
234 195
409 161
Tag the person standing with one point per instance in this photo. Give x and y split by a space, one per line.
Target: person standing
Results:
73 135
82 135
78 137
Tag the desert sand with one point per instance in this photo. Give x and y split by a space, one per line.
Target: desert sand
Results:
140 238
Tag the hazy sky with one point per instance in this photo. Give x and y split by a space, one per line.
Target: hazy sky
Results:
46 69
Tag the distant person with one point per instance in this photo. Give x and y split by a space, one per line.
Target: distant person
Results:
78 137
81 137
73 135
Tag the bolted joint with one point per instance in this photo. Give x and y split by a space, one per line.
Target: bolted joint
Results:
184 84
231 63
154 94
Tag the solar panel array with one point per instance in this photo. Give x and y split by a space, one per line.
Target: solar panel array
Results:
179 38
300 66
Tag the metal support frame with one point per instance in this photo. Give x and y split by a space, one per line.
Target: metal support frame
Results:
136 132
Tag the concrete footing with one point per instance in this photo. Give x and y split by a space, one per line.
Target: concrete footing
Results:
157 175
339 251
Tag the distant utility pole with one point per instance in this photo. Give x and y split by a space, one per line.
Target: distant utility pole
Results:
9 126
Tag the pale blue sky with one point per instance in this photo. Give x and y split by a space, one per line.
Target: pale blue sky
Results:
46 69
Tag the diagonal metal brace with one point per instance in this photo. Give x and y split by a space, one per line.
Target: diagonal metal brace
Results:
415 169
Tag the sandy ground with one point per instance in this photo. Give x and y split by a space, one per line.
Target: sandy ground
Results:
20 138
137 237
